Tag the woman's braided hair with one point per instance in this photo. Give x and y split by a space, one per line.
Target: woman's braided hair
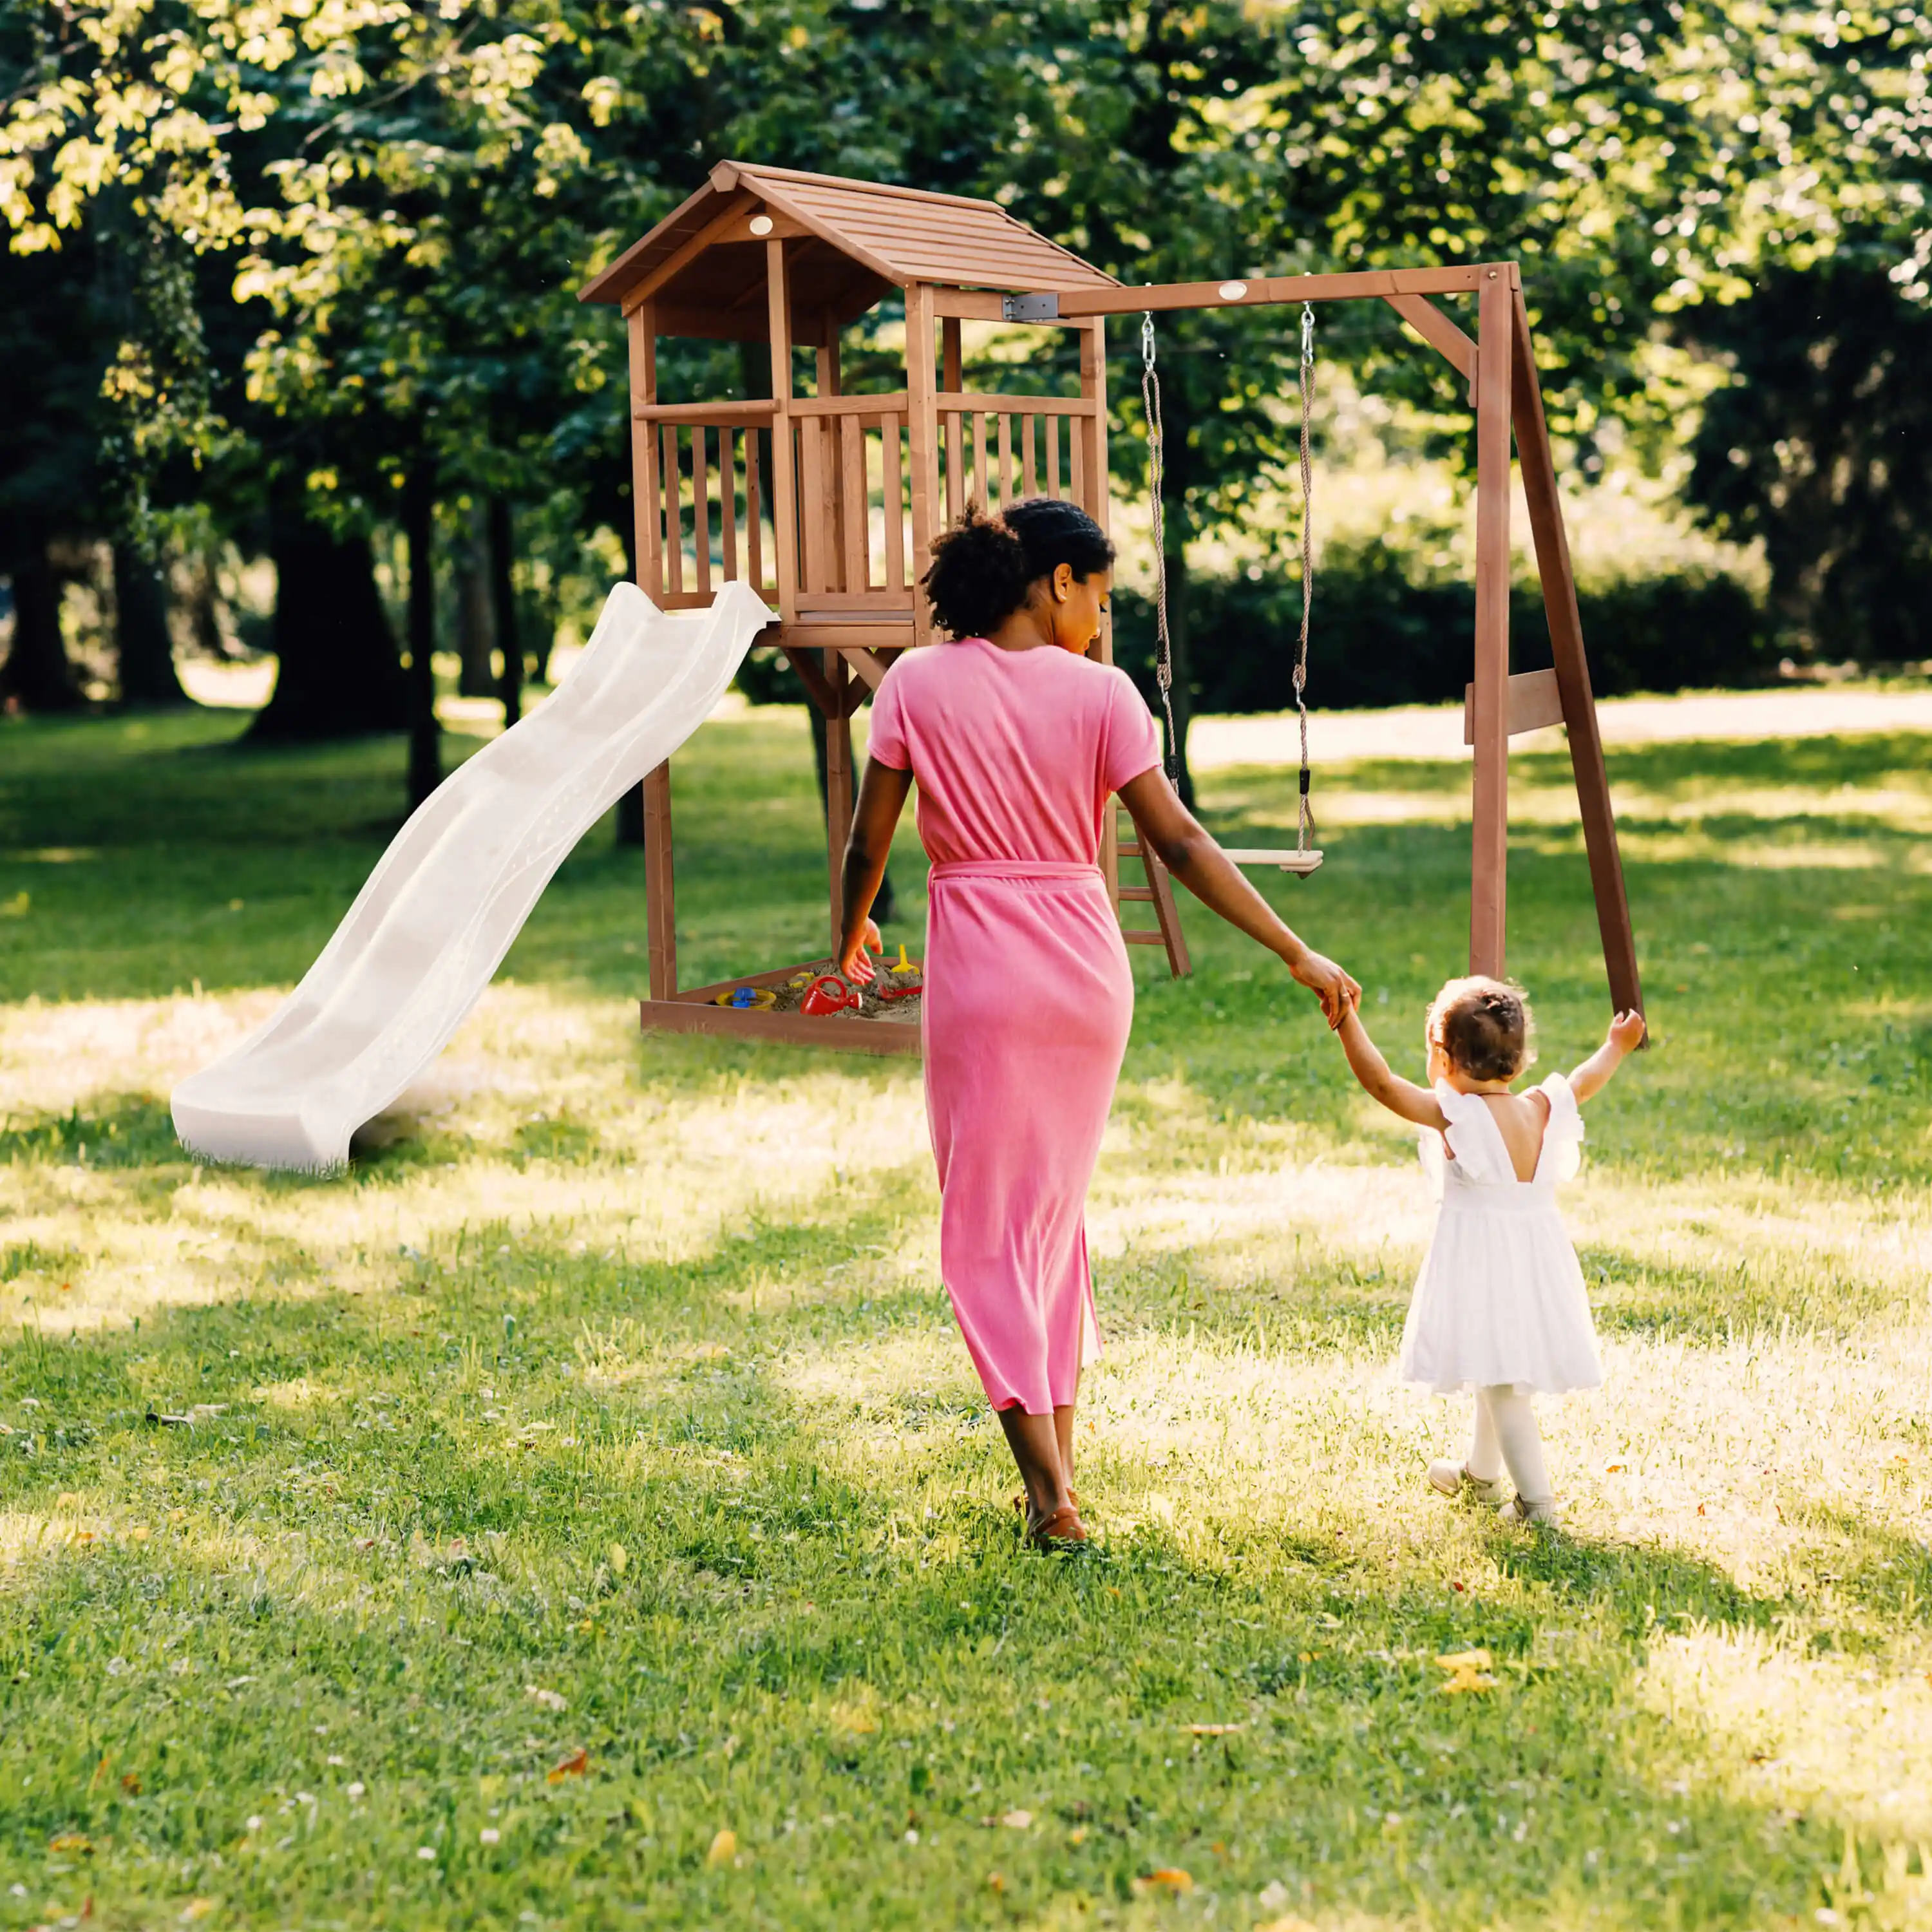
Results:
1485 1027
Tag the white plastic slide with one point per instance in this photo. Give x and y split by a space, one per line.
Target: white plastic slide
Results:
439 911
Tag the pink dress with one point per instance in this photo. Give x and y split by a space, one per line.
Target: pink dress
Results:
1028 996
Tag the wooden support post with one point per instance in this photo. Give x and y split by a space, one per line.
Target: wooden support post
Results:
644 505
955 375
783 478
922 427
1573 673
1088 436
660 895
1489 854
836 576
838 788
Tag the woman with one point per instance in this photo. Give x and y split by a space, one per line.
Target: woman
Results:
1017 740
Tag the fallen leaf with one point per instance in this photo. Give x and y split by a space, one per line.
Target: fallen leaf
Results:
196 1908
1017 1821
1289 1924
130 1784
575 1765
551 1700
1078 1836
619 1558
71 1841
1169 1878
1469 1670
724 1849
1214 1730
995 1882
1616 1468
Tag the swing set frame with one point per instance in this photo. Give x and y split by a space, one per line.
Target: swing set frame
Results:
828 505
1499 365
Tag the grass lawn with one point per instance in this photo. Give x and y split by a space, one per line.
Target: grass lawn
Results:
584 1513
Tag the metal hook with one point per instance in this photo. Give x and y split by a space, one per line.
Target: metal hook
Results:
1146 339
1307 332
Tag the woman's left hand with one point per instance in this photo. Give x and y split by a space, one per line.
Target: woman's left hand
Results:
1337 990
855 966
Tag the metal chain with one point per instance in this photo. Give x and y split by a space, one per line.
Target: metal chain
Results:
1163 656
1305 381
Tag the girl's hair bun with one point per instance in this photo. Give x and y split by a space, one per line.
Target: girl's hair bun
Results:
1485 1027
984 569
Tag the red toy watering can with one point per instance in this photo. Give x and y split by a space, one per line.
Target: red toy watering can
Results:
827 994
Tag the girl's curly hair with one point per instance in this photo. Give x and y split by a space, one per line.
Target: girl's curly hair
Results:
1485 1027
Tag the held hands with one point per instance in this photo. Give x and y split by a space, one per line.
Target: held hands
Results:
855 966
1337 990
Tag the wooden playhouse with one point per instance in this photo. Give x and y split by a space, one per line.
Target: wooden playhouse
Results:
826 503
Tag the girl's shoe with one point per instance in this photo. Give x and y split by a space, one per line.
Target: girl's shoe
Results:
1453 1480
1062 1530
1544 1515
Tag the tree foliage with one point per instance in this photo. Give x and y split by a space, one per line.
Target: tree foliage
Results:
359 224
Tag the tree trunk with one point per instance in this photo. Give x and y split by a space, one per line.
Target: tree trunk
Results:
36 675
503 606
425 740
146 649
475 618
338 674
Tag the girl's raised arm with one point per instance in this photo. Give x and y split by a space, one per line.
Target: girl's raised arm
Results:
1594 1076
1400 1097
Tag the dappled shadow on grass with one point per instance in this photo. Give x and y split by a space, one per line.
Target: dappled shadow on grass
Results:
118 1131
367 1566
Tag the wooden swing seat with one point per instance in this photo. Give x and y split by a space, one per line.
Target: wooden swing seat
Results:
1302 862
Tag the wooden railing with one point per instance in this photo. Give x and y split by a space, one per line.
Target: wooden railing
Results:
706 466
854 503
997 449
704 469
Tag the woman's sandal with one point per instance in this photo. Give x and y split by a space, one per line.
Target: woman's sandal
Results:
1062 1530
1020 1501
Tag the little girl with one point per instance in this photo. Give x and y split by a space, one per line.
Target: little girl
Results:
1499 1306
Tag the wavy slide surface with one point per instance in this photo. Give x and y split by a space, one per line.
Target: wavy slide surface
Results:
437 914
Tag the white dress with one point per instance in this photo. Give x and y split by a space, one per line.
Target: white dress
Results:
1500 1297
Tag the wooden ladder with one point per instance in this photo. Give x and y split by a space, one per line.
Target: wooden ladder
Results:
1159 893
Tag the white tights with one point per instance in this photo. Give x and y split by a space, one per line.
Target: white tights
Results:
1507 1436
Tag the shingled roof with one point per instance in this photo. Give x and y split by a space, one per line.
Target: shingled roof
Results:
703 269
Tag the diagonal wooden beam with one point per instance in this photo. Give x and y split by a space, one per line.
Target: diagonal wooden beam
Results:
868 665
712 231
1437 330
1573 673
800 657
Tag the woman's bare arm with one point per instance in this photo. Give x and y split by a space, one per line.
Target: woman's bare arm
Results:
882 797
1188 850
1400 1097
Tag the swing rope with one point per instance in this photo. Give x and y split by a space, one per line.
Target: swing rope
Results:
1163 661
1163 655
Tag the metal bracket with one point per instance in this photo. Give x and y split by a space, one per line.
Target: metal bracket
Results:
1031 308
